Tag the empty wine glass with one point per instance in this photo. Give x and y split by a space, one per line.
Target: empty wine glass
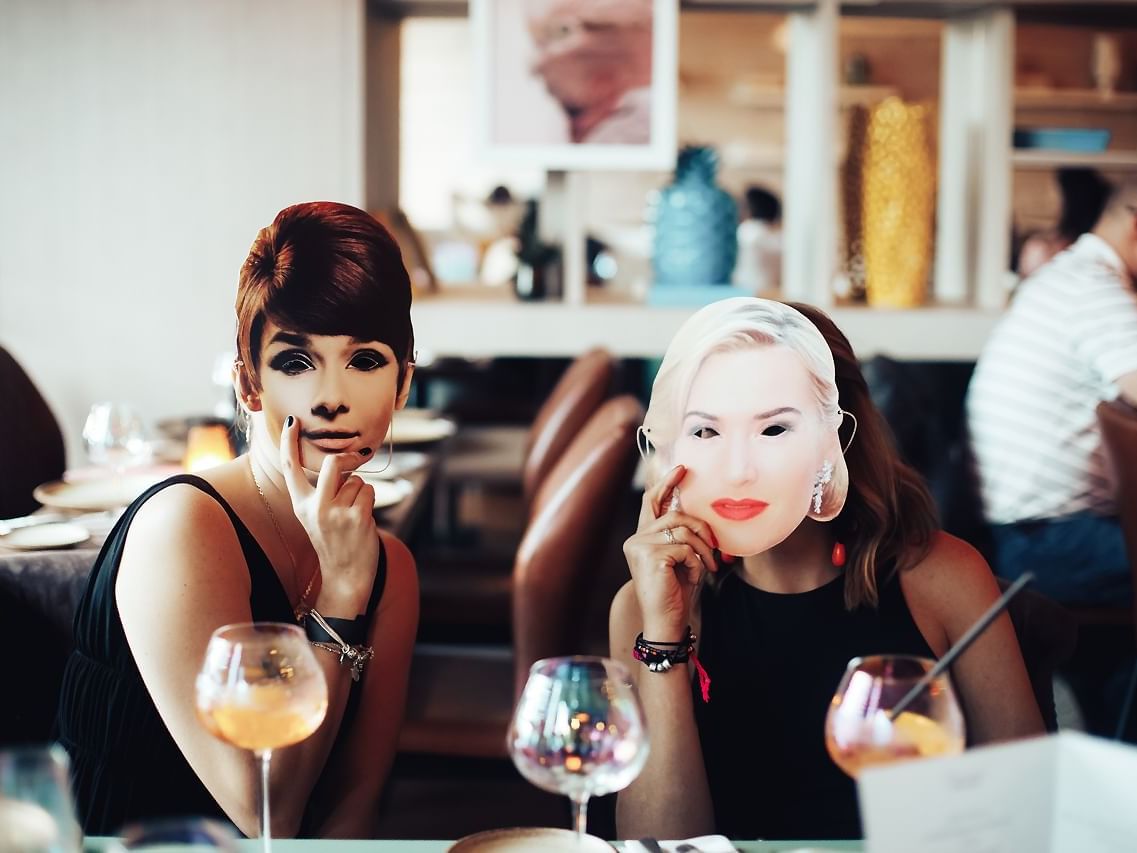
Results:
260 688
115 436
579 730
859 729
37 814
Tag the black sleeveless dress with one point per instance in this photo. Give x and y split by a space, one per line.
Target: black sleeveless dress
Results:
125 765
774 662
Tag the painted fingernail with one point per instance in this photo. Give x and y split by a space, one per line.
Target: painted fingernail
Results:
727 558
289 421
365 451
714 540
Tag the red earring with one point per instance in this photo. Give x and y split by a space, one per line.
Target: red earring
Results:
838 555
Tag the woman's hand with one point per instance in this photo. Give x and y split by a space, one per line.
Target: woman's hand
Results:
337 515
667 557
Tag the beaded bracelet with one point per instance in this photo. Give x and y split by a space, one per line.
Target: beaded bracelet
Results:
355 656
660 657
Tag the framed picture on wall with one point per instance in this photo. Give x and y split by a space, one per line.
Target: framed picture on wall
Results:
576 84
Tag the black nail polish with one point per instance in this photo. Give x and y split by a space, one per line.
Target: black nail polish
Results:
365 451
288 421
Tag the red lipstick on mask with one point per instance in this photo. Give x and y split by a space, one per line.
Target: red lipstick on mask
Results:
733 510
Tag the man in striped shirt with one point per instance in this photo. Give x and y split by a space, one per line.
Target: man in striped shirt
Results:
1067 342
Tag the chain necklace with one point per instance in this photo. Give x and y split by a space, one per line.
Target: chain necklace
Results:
300 610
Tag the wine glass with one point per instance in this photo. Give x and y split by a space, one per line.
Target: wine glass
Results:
579 730
37 814
115 436
260 688
859 729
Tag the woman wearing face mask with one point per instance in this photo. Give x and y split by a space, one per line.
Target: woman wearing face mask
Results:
324 345
825 555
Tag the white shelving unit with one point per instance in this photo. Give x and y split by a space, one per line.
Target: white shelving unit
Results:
976 163
1024 158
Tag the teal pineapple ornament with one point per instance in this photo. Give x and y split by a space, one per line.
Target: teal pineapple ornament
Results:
696 222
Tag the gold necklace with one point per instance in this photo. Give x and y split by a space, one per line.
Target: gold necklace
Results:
302 605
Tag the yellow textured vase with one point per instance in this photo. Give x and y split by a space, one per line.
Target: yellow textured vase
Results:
898 203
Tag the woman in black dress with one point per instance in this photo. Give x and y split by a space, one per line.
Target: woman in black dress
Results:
325 346
758 403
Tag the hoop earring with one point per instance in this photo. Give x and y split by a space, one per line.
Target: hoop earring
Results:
390 451
853 434
824 476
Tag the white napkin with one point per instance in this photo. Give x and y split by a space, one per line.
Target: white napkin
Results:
705 844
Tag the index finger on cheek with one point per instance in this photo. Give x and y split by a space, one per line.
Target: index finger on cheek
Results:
290 455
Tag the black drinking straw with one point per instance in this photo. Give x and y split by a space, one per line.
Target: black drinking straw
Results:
961 645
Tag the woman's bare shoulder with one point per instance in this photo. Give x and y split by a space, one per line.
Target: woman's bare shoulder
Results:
953 581
187 528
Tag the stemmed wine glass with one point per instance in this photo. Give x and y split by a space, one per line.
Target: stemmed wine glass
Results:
859 729
260 688
115 436
579 730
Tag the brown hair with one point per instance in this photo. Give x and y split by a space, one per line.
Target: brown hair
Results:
889 519
324 268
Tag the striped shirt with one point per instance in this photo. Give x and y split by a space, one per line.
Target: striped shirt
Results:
1068 336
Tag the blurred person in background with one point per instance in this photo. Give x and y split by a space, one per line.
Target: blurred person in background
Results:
1084 194
1067 342
759 267
595 58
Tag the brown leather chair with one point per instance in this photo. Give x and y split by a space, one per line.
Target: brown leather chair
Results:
461 698
39 593
31 444
525 455
472 589
1119 431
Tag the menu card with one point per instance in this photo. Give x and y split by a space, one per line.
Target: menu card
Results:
1067 793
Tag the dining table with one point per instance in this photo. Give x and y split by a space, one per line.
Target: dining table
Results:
288 845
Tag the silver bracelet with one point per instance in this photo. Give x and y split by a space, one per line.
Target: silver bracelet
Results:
355 656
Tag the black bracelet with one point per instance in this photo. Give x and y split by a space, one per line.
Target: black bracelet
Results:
353 631
660 657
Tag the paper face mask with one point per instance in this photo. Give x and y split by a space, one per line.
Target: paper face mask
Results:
753 444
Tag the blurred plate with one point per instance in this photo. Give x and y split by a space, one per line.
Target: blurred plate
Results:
412 429
527 839
107 492
388 492
402 462
58 535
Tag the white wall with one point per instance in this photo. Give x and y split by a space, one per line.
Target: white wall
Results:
142 145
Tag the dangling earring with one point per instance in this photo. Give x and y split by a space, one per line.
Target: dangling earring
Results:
824 476
838 555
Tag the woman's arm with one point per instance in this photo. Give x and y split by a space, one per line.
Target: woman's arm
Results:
182 575
667 557
345 802
670 798
946 593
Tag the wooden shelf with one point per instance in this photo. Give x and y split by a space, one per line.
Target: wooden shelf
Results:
1039 158
774 97
450 325
1082 100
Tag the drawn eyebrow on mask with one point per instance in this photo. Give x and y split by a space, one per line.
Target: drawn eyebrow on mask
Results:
781 410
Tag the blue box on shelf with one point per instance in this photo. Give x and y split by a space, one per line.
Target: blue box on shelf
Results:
1085 139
